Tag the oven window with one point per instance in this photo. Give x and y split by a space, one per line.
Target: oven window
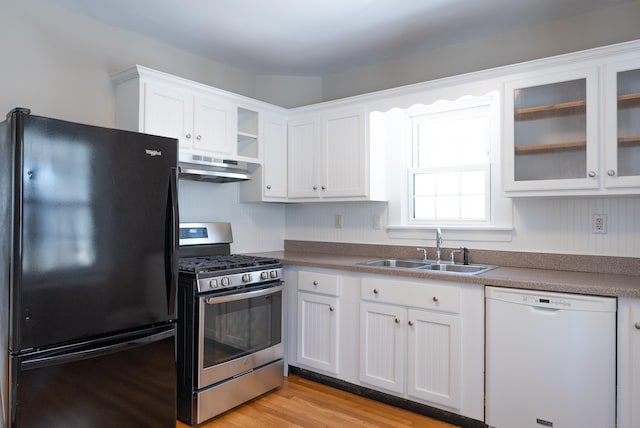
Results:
241 327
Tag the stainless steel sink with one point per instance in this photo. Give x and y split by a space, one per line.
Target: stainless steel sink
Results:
431 265
457 268
397 263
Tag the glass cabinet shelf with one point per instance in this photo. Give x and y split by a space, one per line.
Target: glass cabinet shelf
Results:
552 110
629 101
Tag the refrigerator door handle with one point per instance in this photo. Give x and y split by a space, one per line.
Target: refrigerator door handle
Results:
172 242
93 352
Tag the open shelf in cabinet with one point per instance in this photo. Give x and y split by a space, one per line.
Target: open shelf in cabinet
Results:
247 134
552 110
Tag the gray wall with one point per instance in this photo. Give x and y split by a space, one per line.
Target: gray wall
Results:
58 63
589 30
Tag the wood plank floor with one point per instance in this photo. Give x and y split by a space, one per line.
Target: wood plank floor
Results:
307 404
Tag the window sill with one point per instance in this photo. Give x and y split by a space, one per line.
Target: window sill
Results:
452 233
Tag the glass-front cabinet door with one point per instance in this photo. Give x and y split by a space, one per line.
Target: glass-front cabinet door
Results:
622 124
551 132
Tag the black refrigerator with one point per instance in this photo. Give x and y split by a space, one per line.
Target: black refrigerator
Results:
88 280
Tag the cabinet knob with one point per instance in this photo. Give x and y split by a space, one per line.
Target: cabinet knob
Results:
592 174
268 186
331 309
315 283
376 291
324 187
199 137
315 187
435 299
411 323
638 325
397 320
611 173
188 136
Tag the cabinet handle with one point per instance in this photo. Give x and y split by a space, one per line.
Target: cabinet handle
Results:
411 323
397 320
592 174
188 136
315 283
638 325
376 291
199 137
611 173
331 308
435 299
268 186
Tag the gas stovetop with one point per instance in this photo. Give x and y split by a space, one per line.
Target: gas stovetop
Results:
217 273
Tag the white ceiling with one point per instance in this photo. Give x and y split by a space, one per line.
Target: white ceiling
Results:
319 37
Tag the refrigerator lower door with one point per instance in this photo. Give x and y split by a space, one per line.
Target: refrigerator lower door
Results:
121 382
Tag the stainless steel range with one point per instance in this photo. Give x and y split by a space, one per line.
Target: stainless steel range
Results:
230 331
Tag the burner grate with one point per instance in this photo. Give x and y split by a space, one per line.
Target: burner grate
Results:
206 264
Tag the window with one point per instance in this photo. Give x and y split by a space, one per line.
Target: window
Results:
450 176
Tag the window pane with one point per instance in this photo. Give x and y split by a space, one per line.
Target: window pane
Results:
447 207
472 182
424 207
448 183
472 207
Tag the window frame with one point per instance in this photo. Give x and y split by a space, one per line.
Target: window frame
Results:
460 109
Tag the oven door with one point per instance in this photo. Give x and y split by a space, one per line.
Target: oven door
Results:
238 332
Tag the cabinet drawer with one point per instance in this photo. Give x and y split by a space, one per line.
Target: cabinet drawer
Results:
445 298
319 283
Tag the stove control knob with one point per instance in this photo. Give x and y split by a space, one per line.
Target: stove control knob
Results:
264 275
225 281
273 274
213 283
246 277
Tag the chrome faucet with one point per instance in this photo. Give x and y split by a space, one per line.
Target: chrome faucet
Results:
424 252
438 243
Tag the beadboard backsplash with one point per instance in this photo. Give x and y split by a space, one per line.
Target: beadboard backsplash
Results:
539 225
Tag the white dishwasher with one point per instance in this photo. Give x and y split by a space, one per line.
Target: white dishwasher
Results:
550 360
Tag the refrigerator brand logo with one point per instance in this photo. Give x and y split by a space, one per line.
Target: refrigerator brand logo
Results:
153 152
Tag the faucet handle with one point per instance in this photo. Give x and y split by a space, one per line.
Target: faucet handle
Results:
453 254
424 252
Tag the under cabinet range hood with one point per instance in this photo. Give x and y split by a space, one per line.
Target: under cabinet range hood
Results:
212 170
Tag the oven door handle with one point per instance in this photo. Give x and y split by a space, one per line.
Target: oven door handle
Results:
244 295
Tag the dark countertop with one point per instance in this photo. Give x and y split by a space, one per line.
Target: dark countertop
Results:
601 284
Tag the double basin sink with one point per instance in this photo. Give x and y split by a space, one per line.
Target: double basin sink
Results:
430 265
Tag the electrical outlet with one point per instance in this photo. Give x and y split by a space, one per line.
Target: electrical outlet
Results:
599 223
376 222
338 221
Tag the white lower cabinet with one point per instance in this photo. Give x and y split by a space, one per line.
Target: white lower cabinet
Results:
411 350
421 340
628 362
322 321
318 316
410 340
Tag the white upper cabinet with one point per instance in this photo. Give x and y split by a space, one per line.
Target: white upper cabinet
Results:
329 156
303 148
622 124
551 131
207 122
269 182
574 130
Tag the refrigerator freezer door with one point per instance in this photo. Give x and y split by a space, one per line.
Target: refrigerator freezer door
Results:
125 382
97 234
